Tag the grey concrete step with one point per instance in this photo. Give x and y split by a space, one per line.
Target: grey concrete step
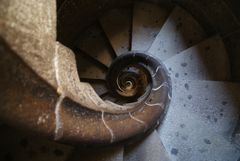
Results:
216 103
236 134
200 121
150 149
116 24
179 32
93 42
88 69
207 60
147 21
194 141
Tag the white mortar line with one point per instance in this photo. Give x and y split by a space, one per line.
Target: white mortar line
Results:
56 64
108 128
58 132
163 84
136 119
155 104
153 75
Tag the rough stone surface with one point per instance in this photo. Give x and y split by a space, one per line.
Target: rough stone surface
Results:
38 19
29 28
36 53
215 102
27 101
103 128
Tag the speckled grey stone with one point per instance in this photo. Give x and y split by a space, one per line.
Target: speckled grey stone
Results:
207 60
208 124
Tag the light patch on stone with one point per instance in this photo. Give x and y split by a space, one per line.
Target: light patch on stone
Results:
56 64
42 119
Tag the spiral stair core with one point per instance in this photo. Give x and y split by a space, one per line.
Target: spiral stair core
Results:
164 86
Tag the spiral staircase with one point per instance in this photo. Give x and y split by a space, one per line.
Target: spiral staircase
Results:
166 74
